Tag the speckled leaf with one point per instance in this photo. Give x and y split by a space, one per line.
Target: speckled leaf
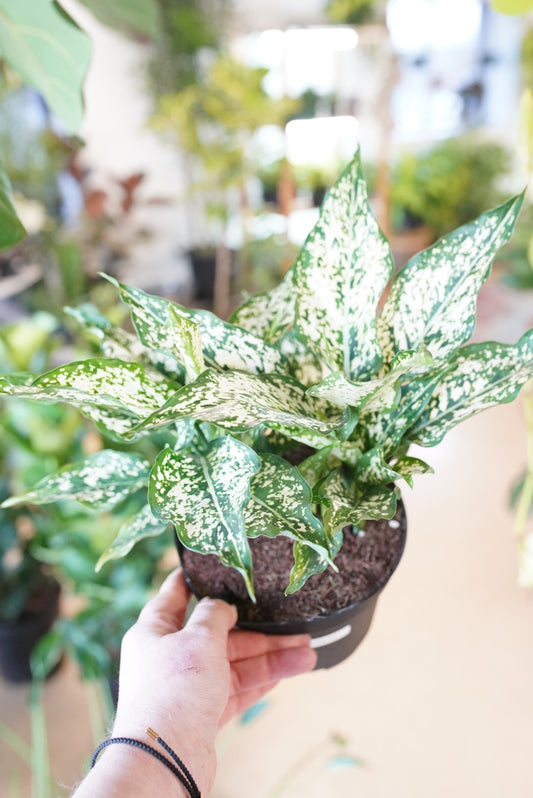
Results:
115 394
100 481
342 506
142 525
224 345
388 429
303 364
307 562
118 343
372 469
380 394
238 401
339 277
204 496
317 465
481 376
433 299
280 504
408 467
270 313
186 338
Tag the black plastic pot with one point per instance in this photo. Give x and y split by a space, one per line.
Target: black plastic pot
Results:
18 638
334 636
203 263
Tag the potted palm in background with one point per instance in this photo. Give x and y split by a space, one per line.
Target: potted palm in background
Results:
306 364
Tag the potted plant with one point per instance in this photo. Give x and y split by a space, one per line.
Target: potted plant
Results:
306 364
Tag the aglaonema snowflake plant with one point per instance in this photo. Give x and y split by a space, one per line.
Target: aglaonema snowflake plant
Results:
310 362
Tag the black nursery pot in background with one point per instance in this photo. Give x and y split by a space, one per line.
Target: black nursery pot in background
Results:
335 635
18 638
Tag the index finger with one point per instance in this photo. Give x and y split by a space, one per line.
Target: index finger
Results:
215 616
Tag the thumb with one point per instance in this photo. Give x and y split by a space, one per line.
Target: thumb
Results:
215 616
165 612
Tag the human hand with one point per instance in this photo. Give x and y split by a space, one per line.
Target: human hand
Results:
186 681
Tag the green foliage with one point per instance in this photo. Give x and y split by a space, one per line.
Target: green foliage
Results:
351 12
128 16
214 118
49 51
449 185
512 6
11 229
306 362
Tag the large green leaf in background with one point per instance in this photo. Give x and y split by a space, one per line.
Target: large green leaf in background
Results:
433 299
339 278
11 228
100 481
127 16
204 496
44 45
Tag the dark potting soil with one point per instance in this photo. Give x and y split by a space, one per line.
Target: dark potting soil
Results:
365 562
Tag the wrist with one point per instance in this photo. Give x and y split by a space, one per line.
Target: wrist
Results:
122 770
196 755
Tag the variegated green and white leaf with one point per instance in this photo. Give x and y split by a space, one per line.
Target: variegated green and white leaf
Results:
303 364
186 338
481 376
270 313
204 496
308 562
123 345
339 277
280 504
380 394
388 429
142 525
114 394
433 299
408 467
100 481
239 401
224 345
372 469
342 506
317 465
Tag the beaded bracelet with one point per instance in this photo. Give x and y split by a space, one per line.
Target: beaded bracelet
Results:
179 770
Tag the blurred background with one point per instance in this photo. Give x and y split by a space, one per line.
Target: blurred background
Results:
209 134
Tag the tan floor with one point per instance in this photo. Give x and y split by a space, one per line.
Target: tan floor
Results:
437 702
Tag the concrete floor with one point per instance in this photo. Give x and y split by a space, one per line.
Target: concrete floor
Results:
437 701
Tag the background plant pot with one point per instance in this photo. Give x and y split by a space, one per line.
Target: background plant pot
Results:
334 635
17 638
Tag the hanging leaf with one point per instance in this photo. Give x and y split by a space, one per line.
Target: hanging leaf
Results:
128 16
339 277
481 376
49 51
270 313
408 467
142 525
224 346
433 299
372 469
204 496
280 504
307 563
100 481
238 401
11 228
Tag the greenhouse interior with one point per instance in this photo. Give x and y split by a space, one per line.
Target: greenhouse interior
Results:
250 253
